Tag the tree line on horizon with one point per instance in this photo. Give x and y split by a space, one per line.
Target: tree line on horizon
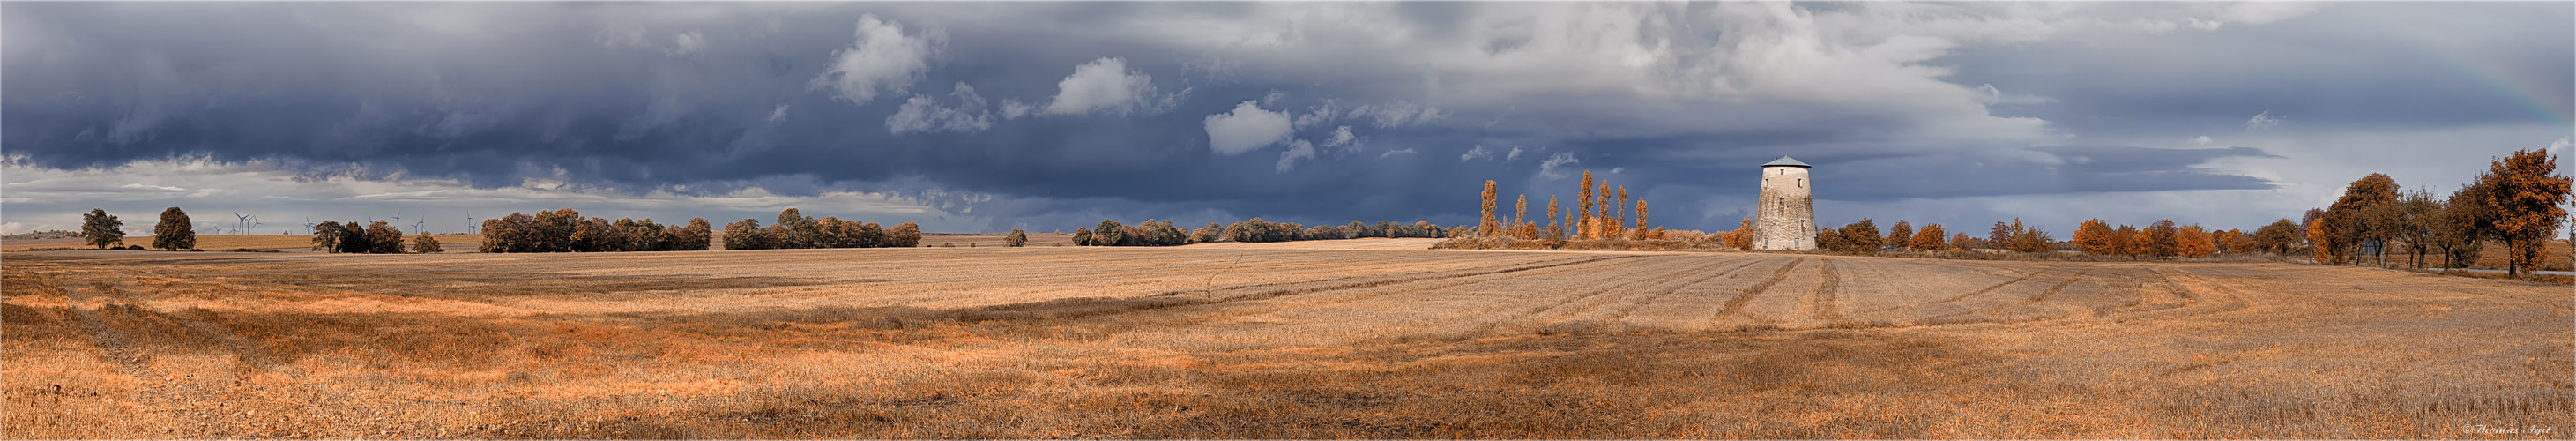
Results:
795 230
1163 233
2515 201
566 231
176 231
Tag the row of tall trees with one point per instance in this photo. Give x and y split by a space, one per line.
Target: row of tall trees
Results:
1601 212
795 230
1863 237
2159 239
2516 201
565 231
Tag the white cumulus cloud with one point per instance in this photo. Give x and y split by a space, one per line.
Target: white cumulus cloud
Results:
1245 129
1476 153
2262 121
922 113
1104 84
1014 109
1342 138
1300 150
1551 168
883 59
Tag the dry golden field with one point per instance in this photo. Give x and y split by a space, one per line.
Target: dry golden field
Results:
1371 338
458 243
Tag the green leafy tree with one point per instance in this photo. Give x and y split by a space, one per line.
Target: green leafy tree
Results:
174 232
99 229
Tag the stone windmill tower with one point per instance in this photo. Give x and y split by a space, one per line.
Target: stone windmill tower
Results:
1785 215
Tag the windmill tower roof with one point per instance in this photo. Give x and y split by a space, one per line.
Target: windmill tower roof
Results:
1785 161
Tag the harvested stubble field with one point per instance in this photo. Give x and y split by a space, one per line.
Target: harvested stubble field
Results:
1337 339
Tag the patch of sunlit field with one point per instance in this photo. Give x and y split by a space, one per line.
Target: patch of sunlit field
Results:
453 242
1339 339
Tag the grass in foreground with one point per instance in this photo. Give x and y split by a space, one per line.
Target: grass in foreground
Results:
1302 343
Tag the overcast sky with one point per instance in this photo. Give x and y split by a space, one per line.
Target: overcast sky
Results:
981 117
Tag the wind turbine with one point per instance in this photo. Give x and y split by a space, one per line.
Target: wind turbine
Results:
398 219
416 227
239 221
308 225
254 225
469 223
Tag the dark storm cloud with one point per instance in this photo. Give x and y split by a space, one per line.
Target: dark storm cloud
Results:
2378 66
706 99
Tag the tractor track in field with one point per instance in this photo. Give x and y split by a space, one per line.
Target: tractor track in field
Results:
2036 298
1735 305
1624 312
1918 308
1080 307
1821 300
1542 313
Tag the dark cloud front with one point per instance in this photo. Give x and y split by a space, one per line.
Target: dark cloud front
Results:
2346 66
717 97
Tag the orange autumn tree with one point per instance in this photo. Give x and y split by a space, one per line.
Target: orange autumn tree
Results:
1555 231
2194 241
2095 237
1488 227
1901 236
2525 192
2320 233
1930 239
1642 234
2161 238
1742 237
1582 224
